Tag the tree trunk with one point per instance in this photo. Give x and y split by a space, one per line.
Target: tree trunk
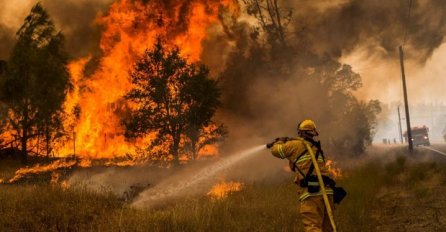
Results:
47 143
24 142
194 148
175 148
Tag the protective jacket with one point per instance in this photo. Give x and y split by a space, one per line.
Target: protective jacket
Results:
300 162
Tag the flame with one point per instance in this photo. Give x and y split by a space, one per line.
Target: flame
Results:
2 181
84 163
64 185
54 178
125 163
222 190
55 181
332 169
39 169
129 28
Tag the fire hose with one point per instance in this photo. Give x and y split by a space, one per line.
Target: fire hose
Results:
322 185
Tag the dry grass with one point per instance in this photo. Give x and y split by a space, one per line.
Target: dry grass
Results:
258 207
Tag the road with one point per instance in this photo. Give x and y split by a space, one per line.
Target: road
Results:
435 152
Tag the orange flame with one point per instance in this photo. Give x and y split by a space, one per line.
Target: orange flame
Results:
130 27
84 163
64 185
222 190
39 169
52 167
332 169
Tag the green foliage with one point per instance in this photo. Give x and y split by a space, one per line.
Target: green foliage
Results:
36 82
175 100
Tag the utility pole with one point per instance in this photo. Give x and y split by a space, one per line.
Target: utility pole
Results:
406 104
399 126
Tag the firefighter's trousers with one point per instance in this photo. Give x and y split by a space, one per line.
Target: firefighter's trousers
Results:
314 216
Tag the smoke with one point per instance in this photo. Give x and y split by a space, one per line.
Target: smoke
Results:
75 18
379 26
363 34
259 104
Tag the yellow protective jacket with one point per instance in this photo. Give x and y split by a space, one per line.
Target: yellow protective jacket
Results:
295 151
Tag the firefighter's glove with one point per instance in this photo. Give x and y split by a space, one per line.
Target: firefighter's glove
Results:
281 139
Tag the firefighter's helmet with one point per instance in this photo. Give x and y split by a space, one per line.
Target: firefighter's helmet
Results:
308 126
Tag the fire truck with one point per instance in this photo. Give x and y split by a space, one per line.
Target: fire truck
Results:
420 136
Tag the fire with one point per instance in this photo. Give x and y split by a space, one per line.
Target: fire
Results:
40 169
334 171
129 28
222 190
125 163
84 163
54 178
2 181
64 185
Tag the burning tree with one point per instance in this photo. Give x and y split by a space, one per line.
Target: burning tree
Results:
36 82
174 99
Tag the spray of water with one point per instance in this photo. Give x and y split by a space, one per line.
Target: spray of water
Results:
174 187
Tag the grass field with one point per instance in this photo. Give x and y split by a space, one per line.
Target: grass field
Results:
258 207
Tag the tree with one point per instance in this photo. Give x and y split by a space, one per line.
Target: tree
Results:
272 19
36 80
306 82
175 100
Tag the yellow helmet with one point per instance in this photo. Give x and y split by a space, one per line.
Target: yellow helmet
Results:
307 125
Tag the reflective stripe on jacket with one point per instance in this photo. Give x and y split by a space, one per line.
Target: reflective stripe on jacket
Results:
295 151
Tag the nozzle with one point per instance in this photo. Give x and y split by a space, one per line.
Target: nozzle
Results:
269 145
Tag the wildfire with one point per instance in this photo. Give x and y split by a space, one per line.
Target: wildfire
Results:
39 169
334 171
50 168
129 28
125 163
84 163
222 190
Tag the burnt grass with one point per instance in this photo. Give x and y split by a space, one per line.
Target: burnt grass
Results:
400 195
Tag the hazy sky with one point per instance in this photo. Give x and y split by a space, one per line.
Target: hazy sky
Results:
381 77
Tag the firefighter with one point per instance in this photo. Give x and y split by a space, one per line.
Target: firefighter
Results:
312 208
